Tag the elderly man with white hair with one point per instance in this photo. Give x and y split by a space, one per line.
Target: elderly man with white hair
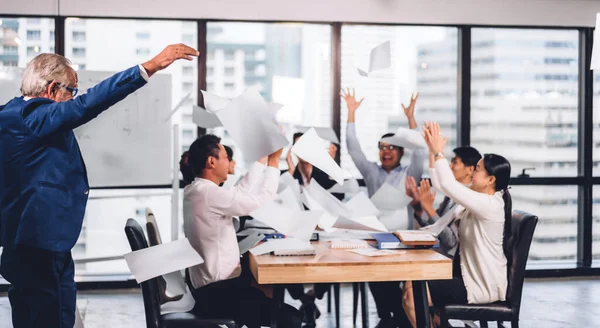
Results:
43 182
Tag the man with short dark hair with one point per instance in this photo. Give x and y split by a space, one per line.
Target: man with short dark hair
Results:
463 166
222 287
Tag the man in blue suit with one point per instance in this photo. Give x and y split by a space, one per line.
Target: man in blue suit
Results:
43 182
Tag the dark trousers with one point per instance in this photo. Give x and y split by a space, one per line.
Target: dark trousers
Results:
236 299
388 300
43 291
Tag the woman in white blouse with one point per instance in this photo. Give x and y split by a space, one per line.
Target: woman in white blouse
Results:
479 269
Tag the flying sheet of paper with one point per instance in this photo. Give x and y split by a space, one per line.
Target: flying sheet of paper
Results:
286 180
360 205
364 223
595 64
325 133
376 252
379 59
308 148
205 119
292 222
326 200
245 120
176 108
250 241
363 215
436 228
175 283
284 244
388 197
288 199
214 103
407 138
395 219
349 187
185 304
158 260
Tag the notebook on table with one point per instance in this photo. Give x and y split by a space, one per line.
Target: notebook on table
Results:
387 240
295 252
416 237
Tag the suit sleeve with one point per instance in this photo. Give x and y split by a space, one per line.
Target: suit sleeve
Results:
48 118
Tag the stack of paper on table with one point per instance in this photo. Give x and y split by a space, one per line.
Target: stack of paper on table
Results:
416 237
348 243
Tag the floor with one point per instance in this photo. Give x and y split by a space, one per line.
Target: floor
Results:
546 303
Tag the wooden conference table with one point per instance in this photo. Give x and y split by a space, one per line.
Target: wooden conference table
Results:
342 266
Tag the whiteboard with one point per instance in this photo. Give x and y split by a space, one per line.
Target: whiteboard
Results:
127 145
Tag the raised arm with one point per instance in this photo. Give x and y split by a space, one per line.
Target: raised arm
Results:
478 203
410 111
354 149
46 117
238 201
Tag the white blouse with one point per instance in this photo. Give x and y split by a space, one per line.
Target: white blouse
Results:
481 235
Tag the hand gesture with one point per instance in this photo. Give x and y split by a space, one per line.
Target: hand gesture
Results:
426 194
410 110
350 99
411 189
433 137
168 56
332 150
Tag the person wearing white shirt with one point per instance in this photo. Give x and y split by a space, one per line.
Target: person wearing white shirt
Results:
480 273
222 289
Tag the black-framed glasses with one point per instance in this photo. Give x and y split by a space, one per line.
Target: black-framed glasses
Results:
388 147
72 90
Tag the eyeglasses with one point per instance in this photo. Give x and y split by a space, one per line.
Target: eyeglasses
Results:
390 147
72 90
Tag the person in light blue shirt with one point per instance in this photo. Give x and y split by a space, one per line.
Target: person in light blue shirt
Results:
387 295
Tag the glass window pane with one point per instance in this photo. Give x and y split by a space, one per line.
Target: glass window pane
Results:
555 238
289 63
106 213
21 39
596 226
524 98
423 59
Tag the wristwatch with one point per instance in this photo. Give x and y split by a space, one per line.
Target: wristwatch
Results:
438 155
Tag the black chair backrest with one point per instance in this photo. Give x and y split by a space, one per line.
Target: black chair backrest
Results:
519 242
137 241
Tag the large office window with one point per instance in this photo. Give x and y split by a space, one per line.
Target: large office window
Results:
596 172
524 106
423 59
113 46
524 98
289 63
555 238
21 39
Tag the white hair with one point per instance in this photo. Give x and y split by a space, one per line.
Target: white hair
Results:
44 68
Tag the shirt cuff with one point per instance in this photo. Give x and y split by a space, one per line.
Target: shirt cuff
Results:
143 72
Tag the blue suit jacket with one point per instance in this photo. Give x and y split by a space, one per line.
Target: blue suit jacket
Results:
43 182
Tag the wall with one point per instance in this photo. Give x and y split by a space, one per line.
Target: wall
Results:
579 13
